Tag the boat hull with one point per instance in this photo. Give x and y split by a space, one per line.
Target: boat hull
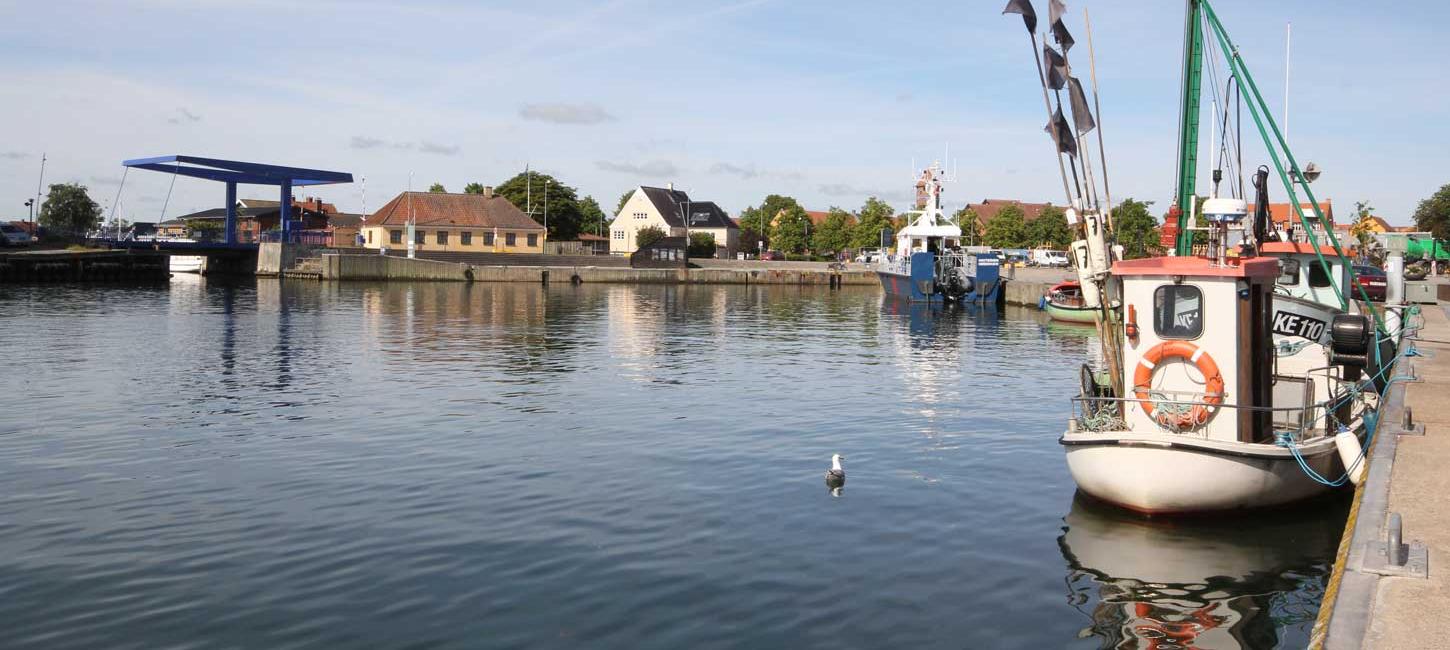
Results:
1158 476
901 286
1070 314
186 263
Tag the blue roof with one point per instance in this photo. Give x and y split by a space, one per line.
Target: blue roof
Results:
233 171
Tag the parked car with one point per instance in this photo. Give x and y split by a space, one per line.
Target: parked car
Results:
13 235
1048 257
772 256
868 256
1372 279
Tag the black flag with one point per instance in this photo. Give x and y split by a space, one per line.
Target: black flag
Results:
1056 67
1024 7
1061 132
1055 10
1082 117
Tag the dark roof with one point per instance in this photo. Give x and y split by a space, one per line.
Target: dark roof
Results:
448 209
214 213
588 237
344 219
671 205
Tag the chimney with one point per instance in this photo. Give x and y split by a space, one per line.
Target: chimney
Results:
670 186
487 191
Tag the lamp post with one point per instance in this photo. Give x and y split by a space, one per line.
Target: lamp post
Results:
30 203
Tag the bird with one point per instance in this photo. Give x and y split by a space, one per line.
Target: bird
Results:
836 477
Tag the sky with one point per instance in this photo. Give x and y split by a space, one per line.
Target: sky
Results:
829 102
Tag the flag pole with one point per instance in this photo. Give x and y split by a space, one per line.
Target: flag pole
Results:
1047 104
1097 108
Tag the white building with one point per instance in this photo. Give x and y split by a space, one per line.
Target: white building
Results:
666 208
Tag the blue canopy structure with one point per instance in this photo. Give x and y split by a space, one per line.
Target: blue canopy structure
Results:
233 172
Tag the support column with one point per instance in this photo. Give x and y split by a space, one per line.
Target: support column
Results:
285 214
231 226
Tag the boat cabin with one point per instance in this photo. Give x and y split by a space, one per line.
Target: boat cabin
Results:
922 238
1196 335
1302 276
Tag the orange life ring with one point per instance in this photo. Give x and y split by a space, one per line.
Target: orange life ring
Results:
1213 379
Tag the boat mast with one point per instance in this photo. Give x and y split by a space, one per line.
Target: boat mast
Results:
1189 108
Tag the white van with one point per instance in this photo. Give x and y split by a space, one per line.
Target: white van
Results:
1048 257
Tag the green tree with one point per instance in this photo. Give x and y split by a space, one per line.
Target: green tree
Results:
754 228
873 217
1006 229
750 238
437 188
623 199
834 234
966 219
648 235
1363 225
792 230
204 229
1433 214
563 214
1136 229
592 219
472 188
1050 229
68 210
702 244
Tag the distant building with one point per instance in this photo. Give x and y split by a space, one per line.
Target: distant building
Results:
666 208
483 223
989 208
254 217
1286 219
343 230
596 244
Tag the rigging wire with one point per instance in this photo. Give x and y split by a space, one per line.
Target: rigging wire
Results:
175 170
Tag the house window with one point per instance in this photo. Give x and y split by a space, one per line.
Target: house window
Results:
488 239
370 236
443 237
619 235
509 239
466 238
395 236
641 215
419 236
1178 311
533 240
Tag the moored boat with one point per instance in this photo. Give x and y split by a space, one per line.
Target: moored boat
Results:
1064 302
928 263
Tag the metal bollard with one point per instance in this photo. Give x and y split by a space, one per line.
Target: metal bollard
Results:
1409 420
1395 551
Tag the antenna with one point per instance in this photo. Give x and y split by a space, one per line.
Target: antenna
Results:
1288 36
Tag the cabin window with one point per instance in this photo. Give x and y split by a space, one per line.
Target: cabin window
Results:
395 236
1288 273
1178 311
1318 278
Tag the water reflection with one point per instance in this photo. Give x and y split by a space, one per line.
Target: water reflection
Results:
1250 582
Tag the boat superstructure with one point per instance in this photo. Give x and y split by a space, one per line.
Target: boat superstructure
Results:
928 262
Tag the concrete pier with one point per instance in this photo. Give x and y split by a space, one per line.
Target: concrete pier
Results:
1397 599
83 266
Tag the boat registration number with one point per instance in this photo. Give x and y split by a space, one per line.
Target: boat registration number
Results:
1290 324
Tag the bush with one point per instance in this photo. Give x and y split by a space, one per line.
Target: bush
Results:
702 244
648 235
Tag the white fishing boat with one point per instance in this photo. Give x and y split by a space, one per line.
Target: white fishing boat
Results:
1221 390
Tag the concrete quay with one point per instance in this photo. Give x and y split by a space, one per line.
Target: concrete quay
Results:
1374 600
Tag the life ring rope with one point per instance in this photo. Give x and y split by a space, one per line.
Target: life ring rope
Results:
1199 414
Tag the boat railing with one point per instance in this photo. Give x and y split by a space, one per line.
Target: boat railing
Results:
1106 414
898 264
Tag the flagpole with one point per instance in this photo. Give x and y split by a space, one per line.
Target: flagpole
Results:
1097 108
1047 104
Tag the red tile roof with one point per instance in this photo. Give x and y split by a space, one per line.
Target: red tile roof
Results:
1283 212
460 210
989 208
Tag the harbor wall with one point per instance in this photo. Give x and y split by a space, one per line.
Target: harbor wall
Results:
380 267
1024 293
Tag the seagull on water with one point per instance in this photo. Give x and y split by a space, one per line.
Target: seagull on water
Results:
836 477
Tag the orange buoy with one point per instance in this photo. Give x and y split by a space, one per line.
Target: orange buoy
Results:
1213 379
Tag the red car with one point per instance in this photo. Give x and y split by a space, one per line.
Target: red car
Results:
1372 279
772 256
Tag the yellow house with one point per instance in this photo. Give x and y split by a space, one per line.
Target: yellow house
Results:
477 223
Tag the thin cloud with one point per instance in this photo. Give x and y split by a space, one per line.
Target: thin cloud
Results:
364 142
105 180
183 115
655 168
565 113
440 149
14 155
841 189
748 172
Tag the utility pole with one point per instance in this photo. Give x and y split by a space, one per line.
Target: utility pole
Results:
38 184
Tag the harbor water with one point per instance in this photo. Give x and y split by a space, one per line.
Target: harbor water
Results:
326 465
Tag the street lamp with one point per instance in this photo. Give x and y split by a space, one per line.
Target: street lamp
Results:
30 203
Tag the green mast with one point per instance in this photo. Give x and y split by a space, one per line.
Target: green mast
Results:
1188 123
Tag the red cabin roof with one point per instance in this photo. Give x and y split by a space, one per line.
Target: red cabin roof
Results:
1237 267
